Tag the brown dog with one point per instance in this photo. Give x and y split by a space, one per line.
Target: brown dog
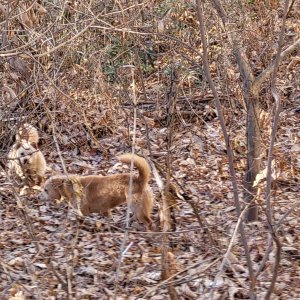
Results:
26 163
102 193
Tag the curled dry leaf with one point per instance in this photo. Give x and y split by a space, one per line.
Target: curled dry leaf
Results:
187 292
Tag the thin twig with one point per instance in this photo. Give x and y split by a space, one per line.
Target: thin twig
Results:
168 280
70 268
129 196
228 251
31 270
183 196
63 283
268 71
270 240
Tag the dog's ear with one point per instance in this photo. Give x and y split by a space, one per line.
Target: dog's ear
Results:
18 144
67 189
2 164
56 185
35 146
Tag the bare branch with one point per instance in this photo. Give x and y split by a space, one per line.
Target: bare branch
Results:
267 72
291 7
242 61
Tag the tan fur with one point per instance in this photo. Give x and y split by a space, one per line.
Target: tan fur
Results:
102 193
142 206
14 167
26 163
34 166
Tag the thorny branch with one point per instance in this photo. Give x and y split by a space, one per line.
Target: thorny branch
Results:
253 133
166 214
228 147
270 155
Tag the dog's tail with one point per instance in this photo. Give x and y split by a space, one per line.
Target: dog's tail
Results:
141 164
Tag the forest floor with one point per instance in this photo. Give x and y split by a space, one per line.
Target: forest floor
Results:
73 78
46 253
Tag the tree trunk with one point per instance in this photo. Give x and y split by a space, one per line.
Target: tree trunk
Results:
253 156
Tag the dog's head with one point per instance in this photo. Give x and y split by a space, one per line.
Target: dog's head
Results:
52 190
24 151
27 133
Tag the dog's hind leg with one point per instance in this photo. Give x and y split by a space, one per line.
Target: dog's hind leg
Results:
107 213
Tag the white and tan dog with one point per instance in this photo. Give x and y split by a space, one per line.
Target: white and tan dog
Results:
99 194
26 163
